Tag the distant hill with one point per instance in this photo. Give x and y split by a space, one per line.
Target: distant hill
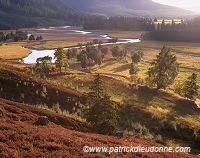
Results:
141 8
17 14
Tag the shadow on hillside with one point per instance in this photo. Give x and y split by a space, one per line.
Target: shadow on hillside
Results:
75 66
121 68
185 107
111 62
144 97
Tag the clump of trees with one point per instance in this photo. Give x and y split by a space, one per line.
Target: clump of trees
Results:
18 36
32 38
137 57
72 53
91 55
119 53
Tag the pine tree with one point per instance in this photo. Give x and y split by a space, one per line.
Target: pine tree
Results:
97 87
158 27
164 69
101 113
190 86
60 57
163 24
31 38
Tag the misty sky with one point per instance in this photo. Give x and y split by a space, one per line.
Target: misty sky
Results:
193 5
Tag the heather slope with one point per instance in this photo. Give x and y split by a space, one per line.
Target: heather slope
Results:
21 137
17 85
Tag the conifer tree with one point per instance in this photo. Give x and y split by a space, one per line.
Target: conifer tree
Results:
164 69
102 113
190 86
60 57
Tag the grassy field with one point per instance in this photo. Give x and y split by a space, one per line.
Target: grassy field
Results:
13 52
120 34
188 55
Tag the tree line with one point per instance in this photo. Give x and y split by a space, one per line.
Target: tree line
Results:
131 24
182 32
180 35
18 36
119 23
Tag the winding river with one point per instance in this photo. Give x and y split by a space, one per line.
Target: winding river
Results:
31 59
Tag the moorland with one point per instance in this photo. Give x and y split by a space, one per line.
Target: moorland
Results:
96 86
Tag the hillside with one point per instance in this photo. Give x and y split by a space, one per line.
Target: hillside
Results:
30 13
140 8
21 137
162 116
33 90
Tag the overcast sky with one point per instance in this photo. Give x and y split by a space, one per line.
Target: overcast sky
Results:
193 5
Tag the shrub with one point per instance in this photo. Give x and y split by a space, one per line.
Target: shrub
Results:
169 125
56 108
141 130
178 86
158 139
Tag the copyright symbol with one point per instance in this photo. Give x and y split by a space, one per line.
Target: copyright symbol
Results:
86 149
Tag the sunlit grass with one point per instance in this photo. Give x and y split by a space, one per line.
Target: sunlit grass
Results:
13 52
192 120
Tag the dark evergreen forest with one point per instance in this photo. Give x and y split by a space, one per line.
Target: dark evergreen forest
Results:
184 32
30 13
120 23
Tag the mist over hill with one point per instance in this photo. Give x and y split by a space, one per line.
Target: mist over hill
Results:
140 8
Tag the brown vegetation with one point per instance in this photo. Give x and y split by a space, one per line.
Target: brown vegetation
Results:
20 137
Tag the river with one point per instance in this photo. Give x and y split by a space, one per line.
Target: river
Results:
31 58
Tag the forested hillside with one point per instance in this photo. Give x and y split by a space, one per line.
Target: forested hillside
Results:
140 8
19 13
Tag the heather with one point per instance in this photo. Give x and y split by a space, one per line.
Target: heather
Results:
21 137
